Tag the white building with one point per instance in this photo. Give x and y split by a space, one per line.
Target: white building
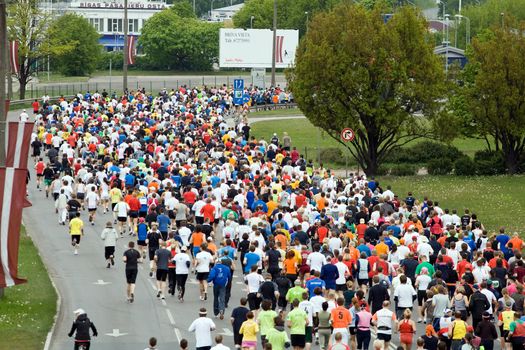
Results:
108 17
224 13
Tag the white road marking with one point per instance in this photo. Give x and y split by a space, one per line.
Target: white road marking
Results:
101 283
177 334
170 317
116 333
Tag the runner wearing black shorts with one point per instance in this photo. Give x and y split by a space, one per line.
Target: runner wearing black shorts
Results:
131 258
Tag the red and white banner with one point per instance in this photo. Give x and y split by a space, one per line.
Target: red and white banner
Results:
131 49
279 40
18 142
12 199
13 57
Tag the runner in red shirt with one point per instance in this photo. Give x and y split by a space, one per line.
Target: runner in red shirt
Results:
39 168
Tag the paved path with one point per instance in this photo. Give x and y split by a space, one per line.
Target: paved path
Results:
84 282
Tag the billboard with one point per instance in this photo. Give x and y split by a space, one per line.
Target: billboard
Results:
252 48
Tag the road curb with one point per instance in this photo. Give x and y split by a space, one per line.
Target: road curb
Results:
51 332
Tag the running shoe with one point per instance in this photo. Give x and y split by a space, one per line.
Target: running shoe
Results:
132 298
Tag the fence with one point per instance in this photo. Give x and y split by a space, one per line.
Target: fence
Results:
151 84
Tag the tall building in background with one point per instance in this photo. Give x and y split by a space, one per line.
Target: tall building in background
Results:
108 16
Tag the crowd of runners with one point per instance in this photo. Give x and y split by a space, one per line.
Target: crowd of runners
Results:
339 263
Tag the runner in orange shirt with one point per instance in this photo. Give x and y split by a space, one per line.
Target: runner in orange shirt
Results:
341 319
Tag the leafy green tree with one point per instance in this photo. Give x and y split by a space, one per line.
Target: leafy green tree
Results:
172 42
27 25
497 90
75 33
183 9
354 70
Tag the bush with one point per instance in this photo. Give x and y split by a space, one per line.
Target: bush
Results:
403 170
424 152
332 155
489 162
465 166
440 166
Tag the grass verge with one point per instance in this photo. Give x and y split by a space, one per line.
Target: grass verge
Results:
27 310
276 113
497 200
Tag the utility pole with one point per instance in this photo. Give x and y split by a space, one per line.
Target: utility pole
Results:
8 69
274 40
126 49
3 96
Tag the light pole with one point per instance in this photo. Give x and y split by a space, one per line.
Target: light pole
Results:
502 19
446 50
467 32
251 22
274 40
211 8
126 49
443 20
306 13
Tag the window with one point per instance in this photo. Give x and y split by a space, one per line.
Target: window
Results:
133 25
97 23
115 25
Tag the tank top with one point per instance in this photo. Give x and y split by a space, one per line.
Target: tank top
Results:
507 317
324 320
459 305
364 320
405 327
363 269
459 330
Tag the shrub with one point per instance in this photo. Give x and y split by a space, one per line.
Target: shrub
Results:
332 155
489 162
423 152
465 166
403 170
439 166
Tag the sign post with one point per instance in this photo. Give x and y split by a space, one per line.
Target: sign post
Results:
238 90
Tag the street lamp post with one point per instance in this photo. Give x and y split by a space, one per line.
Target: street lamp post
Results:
126 49
251 22
447 44
306 13
467 32
211 8
274 40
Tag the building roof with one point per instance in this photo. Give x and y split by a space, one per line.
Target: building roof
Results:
233 8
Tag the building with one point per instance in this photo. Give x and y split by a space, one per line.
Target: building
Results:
108 17
224 13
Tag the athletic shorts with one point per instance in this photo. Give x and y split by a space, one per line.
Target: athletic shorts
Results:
352 330
133 214
92 210
143 214
384 337
196 250
298 340
151 254
249 344
304 269
81 196
162 275
109 252
308 335
131 275
141 243
113 206
47 182
123 218
216 221
39 175
75 238
201 276
341 287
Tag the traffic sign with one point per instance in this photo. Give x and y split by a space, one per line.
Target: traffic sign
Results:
238 90
347 135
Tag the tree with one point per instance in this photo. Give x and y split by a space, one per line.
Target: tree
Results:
172 42
354 70
79 40
27 25
497 89
183 9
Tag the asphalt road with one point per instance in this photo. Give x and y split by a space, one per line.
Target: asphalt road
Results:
84 282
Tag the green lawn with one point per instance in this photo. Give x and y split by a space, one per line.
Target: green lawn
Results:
497 200
305 136
27 310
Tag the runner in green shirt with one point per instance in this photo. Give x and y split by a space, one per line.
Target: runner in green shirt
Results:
277 336
297 322
265 319
295 292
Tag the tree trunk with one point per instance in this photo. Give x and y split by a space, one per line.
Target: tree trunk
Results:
511 161
22 92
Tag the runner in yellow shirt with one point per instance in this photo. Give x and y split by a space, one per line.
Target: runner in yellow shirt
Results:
76 230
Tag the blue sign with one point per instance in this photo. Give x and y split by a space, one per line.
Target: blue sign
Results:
238 90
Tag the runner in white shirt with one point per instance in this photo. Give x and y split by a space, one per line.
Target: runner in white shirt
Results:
182 269
202 327
203 259
121 209
316 260
92 200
